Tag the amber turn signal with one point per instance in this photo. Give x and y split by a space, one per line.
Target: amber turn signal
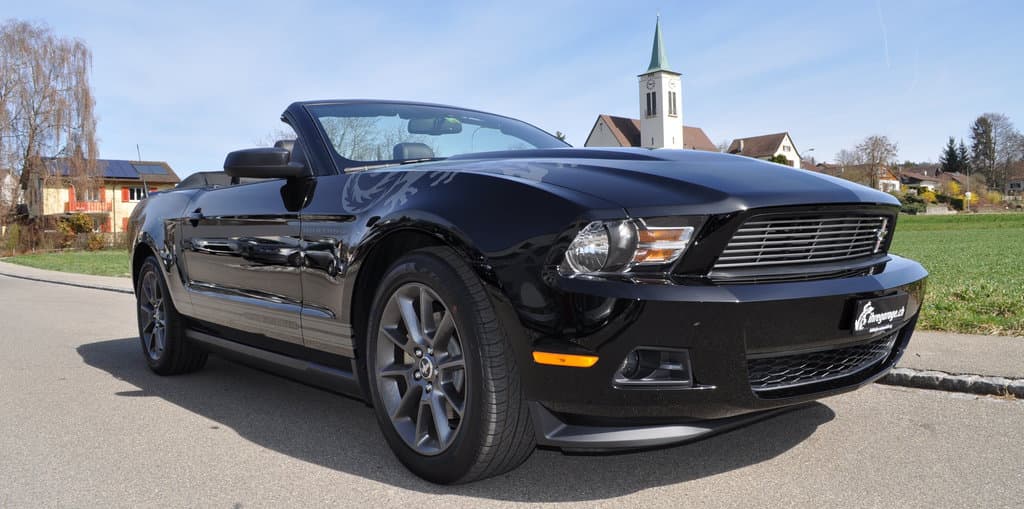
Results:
564 359
661 245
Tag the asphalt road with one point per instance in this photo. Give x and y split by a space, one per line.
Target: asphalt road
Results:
83 423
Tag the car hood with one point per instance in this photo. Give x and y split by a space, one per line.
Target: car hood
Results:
669 182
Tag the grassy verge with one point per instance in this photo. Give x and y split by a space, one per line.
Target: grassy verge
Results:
976 263
99 263
977 270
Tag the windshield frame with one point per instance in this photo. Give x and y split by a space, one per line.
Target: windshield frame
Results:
342 163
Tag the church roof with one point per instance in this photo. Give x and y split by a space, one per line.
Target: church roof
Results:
627 132
659 61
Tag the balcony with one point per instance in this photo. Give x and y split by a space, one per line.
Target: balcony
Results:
88 206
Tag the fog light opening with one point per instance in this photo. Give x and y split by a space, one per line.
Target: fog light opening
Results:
655 367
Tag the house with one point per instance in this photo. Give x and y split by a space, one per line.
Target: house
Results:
1015 187
922 178
888 182
109 197
9 193
885 180
661 114
767 146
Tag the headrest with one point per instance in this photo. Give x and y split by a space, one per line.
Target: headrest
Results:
412 151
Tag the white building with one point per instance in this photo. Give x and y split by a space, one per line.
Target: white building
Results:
767 147
661 112
9 194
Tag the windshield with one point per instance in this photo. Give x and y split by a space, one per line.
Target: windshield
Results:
381 133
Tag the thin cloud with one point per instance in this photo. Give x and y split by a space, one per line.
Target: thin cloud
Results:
885 35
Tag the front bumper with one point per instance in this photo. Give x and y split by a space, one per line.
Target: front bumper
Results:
719 326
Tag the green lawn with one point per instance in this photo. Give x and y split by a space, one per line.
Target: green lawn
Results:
976 263
99 263
977 270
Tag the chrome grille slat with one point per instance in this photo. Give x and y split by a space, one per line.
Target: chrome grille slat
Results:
870 243
812 220
771 242
808 227
800 240
798 255
801 234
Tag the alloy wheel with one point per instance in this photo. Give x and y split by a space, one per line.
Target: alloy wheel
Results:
153 315
420 369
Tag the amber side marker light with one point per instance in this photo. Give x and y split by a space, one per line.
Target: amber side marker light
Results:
564 359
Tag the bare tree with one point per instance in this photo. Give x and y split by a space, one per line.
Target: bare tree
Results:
847 158
997 146
878 154
274 136
46 108
723 146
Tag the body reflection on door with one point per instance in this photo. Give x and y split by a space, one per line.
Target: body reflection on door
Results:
323 274
243 254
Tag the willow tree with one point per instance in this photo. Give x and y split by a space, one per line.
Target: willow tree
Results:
46 109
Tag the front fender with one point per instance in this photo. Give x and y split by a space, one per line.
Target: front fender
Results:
511 230
154 224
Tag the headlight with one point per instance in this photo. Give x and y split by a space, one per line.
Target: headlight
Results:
617 246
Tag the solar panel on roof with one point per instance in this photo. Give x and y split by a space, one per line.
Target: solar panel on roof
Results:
150 169
113 168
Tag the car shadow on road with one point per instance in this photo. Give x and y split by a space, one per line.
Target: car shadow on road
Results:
340 433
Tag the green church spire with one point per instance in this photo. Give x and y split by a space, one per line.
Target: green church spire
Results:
659 62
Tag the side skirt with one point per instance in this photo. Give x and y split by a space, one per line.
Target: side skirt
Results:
331 378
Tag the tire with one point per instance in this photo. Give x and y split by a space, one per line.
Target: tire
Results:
161 329
476 388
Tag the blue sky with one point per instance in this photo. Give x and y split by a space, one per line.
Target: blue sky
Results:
190 81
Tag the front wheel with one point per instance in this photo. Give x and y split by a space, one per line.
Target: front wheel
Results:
443 381
161 329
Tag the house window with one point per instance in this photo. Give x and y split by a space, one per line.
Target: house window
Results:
673 109
86 194
785 148
133 193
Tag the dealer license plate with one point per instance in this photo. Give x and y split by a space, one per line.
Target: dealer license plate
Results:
878 314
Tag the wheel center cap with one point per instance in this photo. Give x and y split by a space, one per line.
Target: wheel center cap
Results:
426 367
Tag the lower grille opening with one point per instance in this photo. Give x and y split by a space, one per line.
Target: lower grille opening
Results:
787 371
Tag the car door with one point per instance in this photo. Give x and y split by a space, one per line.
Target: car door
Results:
326 230
242 256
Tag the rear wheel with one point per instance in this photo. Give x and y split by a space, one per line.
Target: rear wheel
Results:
161 331
443 381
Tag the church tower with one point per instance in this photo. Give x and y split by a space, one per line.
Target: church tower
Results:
661 113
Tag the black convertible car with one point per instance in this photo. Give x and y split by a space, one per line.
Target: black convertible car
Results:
487 288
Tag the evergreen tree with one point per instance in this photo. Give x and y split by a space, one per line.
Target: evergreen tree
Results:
965 158
949 161
983 147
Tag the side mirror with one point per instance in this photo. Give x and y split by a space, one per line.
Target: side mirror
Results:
263 163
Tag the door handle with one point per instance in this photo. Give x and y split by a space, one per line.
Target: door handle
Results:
196 216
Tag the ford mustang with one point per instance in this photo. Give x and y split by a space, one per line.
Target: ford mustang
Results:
487 288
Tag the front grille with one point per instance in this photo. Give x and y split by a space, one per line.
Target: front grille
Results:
784 371
779 241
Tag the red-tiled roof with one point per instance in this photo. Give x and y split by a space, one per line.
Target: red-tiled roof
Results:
765 145
919 176
627 132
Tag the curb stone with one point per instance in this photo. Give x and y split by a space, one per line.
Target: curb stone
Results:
905 377
942 381
68 283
